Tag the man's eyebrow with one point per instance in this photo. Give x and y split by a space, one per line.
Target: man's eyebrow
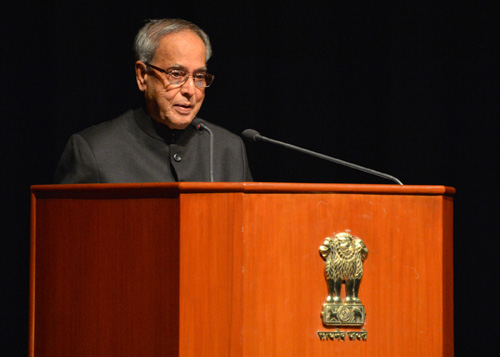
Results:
179 66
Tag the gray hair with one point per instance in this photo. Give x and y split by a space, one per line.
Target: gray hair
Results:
149 36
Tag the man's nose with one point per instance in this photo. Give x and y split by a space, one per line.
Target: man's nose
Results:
188 87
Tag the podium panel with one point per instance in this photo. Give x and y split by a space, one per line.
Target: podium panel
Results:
234 269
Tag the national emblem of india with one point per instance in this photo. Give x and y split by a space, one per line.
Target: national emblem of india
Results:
344 255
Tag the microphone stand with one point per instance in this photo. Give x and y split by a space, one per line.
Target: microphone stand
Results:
255 136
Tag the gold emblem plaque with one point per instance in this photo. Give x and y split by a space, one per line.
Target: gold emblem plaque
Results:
344 255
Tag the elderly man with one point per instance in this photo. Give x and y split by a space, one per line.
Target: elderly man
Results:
159 142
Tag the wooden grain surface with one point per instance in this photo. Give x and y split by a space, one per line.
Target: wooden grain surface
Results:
172 189
107 277
196 269
407 297
210 274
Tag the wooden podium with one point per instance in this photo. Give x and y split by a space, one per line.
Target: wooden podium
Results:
233 269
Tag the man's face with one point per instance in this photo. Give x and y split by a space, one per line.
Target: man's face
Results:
173 105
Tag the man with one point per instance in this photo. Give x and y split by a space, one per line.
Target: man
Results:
159 142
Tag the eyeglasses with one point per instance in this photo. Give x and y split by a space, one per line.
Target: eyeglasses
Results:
179 77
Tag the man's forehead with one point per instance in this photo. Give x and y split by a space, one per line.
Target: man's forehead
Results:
183 41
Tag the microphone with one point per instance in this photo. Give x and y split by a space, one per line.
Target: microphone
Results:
200 125
254 135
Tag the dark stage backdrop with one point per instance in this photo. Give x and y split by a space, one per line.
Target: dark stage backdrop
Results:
409 89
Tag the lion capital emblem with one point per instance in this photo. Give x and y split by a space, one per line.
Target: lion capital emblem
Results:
344 255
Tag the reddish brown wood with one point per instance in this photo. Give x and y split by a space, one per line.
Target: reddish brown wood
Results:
233 269
408 297
31 341
107 277
210 274
172 189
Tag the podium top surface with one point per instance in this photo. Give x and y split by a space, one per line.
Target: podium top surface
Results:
175 188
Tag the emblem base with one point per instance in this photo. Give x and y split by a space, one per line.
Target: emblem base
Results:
342 314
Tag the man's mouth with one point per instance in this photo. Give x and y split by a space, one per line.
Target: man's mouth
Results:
183 108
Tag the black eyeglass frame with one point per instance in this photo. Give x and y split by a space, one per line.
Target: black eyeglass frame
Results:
209 78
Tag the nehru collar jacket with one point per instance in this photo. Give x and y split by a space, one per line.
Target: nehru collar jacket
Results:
135 148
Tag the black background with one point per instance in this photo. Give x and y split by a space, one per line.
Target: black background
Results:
409 89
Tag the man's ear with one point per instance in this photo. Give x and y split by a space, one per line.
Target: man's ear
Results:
140 75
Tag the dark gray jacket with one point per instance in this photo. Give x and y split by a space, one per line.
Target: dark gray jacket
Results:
135 148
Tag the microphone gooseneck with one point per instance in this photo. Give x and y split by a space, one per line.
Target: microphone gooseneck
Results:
254 135
200 125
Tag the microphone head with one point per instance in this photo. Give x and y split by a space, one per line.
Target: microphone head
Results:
250 134
197 122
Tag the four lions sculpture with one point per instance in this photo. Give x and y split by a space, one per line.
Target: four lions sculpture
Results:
344 255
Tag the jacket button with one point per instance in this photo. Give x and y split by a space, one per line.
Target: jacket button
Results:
177 157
